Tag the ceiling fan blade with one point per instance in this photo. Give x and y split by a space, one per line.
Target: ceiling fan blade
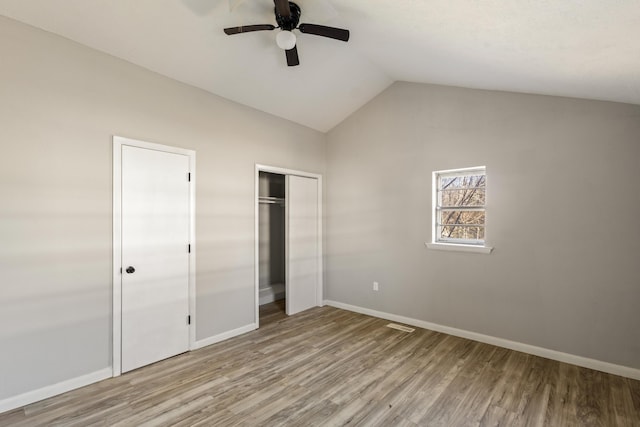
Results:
292 57
283 9
248 28
321 30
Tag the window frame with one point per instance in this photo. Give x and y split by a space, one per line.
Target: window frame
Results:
467 245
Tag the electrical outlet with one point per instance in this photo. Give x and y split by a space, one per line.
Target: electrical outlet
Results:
376 286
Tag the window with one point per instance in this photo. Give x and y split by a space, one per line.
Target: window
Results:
459 198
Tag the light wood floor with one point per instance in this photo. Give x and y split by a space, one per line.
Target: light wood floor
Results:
272 312
330 367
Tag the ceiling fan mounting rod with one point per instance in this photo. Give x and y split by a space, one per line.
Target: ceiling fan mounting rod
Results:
288 23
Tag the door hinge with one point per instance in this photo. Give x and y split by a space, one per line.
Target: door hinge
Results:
189 320
120 270
189 176
189 248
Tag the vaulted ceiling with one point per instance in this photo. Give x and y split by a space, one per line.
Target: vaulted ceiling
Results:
577 48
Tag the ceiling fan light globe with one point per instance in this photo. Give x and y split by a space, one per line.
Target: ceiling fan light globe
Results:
286 40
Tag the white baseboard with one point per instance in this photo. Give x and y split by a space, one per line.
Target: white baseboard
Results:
54 389
224 336
271 293
74 383
598 365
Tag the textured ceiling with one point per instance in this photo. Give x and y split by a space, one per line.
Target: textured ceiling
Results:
579 48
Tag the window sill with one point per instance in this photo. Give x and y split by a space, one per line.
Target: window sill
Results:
455 247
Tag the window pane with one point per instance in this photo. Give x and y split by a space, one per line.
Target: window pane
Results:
462 217
462 181
466 197
459 232
460 201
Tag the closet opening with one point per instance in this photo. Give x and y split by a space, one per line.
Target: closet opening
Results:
271 247
288 243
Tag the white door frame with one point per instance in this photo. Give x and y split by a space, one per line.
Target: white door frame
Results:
118 142
283 171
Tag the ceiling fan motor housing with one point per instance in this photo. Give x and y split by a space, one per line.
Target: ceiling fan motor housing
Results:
290 23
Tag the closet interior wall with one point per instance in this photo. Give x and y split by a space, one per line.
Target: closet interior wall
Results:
271 236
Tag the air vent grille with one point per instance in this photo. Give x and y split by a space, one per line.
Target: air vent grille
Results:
400 327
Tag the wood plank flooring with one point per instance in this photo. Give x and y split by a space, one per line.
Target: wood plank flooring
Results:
272 312
329 367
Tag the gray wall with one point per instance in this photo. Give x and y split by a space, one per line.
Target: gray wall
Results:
60 104
562 213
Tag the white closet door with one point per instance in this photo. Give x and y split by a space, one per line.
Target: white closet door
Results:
155 258
302 243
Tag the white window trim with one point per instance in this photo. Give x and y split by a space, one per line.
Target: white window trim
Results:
459 247
452 246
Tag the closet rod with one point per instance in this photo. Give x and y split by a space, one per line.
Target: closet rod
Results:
267 199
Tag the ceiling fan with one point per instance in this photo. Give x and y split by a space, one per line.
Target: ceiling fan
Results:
287 17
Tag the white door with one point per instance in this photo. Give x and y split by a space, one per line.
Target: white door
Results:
155 257
302 278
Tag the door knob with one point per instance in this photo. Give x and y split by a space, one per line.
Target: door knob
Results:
130 270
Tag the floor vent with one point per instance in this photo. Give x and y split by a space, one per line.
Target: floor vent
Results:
400 327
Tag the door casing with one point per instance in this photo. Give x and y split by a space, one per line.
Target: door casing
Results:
118 143
283 171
